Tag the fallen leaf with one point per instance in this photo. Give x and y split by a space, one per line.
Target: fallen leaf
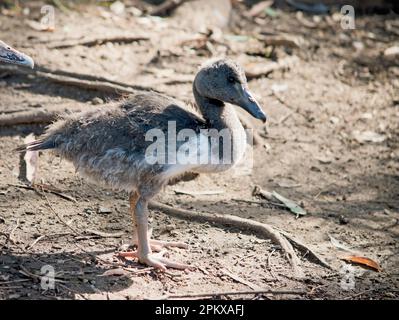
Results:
295 208
363 261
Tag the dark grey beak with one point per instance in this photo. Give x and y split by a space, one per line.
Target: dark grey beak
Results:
248 103
10 55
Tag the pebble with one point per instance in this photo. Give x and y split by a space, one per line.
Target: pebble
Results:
104 210
97 101
343 220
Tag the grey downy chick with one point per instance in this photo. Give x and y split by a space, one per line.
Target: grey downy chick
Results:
111 145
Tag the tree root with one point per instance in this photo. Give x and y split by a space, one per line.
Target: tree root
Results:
311 255
259 228
90 78
232 293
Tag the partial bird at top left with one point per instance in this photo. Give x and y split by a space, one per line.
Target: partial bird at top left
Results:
10 55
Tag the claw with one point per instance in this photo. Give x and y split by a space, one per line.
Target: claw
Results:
156 260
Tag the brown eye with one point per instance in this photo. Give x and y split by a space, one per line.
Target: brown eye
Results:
231 79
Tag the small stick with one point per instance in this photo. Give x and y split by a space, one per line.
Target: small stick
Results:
283 102
269 265
13 281
279 41
138 271
240 280
35 241
11 235
285 118
260 202
96 42
248 201
257 139
105 234
87 84
29 274
230 293
94 256
264 70
71 290
59 217
361 293
78 80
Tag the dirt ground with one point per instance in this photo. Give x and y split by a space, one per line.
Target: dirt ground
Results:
313 151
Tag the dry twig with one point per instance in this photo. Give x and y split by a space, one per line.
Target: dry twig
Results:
30 246
45 188
240 280
11 235
59 217
311 255
27 117
97 42
79 80
264 70
105 234
34 276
